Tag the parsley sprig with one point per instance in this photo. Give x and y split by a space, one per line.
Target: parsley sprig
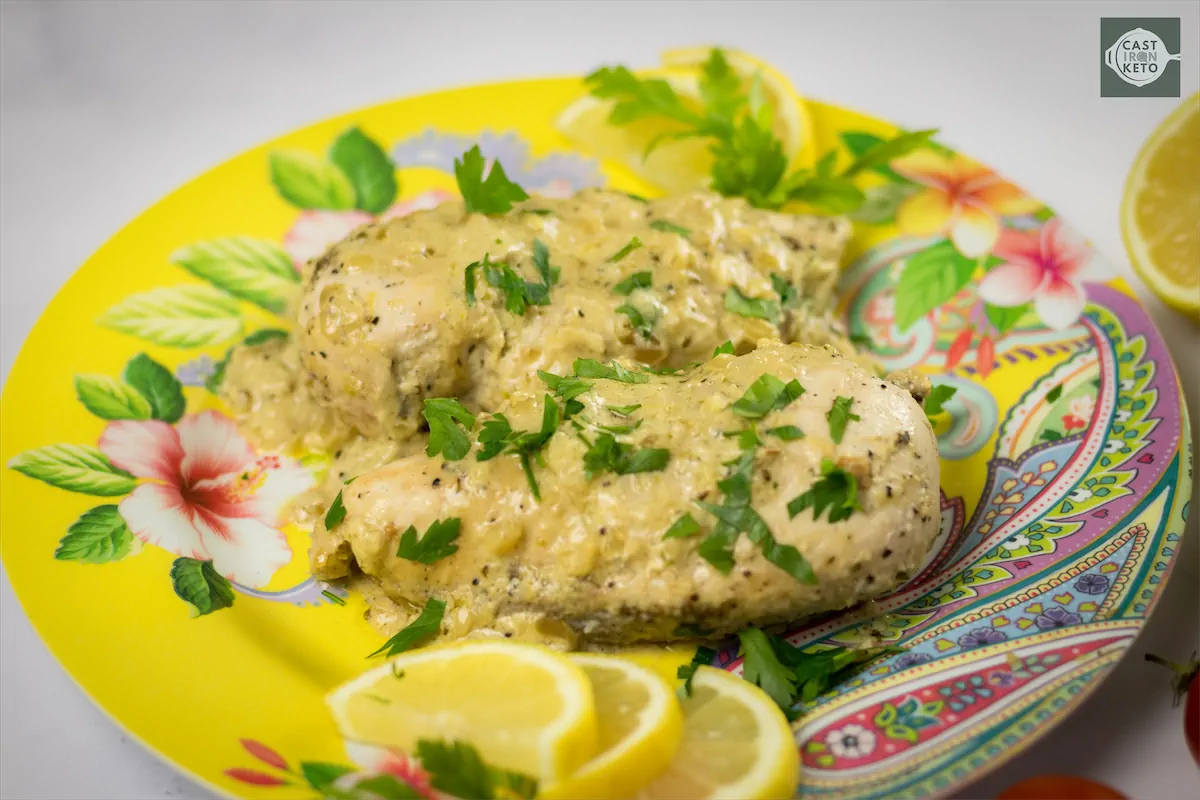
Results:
836 490
591 368
449 424
839 417
417 631
754 307
457 769
748 158
497 436
765 395
703 657
494 194
607 454
940 395
518 293
436 544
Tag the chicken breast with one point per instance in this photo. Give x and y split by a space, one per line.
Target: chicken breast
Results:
386 318
590 558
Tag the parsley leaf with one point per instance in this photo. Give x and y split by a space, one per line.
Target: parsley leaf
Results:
939 395
445 436
493 195
541 260
836 490
337 511
788 296
638 280
634 244
789 433
764 669
458 770
625 411
839 417
671 370
436 544
518 292
417 631
606 454
564 388
669 227
469 280
717 549
493 437
683 527
497 436
727 347
765 395
702 658
756 307
591 368
641 323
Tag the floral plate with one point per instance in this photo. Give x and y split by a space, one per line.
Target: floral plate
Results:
1066 454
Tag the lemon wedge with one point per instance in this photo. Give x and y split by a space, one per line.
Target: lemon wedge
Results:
685 165
523 707
640 728
1160 209
736 744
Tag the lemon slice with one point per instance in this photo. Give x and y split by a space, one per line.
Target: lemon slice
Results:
686 165
736 744
640 728
1161 206
523 707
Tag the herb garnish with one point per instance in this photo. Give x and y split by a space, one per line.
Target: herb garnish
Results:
606 454
493 195
727 347
638 280
765 395
643 324
669 227
417 631
436 544
497 436
591 368
564 388
518 292
836 490
683 527
939 395
445 436
625 411
789 433
458 770
703 657
337 511
839 417
755 307
333 598
633 244
788 296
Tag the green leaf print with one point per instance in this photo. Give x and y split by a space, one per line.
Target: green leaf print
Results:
256 270
371 172
881 203
176 316
97 537
308 181
109 398
1005 318
199 584
930 278
76 468
157 385
859 142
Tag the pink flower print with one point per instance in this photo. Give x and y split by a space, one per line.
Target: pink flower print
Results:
422 202
207 494
313 232
1046 266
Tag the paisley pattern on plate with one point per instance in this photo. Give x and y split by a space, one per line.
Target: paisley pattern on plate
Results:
1067 455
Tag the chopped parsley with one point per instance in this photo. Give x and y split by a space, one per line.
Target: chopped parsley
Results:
333 598
638 280
643 324
757 307
762 667
941 394
541 261
337 511
518 292
564 388
747 437
788 296
735 516
625 411
436 544
493 195
417 631
671 370
669 227
765 395
683 527
444 415
727 347
839 417
789 433
621 429
458 770
591 368
633 244
702 658
836 490
606 454
497 436
541 212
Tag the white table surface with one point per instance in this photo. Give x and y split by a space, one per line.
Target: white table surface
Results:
105 107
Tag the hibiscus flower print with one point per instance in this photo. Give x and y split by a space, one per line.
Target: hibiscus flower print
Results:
1046 267
1057 617
206 494
980 637
959 197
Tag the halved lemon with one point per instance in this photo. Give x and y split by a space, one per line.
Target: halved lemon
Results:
736 744
640 728
686 165
523 707
1160 212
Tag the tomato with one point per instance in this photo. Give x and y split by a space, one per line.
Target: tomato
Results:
1191 718
1060 787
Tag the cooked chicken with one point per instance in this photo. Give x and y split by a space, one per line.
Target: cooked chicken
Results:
386 321
590 557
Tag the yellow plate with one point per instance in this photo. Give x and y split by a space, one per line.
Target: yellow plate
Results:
1065 480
